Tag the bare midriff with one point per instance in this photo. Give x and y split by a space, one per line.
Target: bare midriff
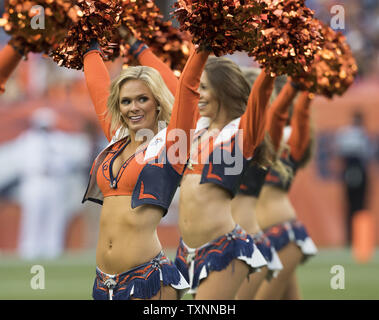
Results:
204 211
127 237
243 209
274 207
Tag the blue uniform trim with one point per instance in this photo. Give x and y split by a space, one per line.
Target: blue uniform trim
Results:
264 245
218 173
156 183
275 179
269 253
94 46
196 264
142 282
282 234
160 183
253 180
137 48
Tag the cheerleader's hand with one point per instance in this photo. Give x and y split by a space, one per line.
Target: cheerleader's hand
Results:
127 34
94 46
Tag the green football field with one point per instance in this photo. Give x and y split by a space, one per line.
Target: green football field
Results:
71 277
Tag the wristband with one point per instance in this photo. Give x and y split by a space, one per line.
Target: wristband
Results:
94 46
137 48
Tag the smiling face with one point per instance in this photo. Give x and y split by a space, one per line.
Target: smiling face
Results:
208 104
138 106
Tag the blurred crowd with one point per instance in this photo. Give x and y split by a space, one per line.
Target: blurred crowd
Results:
361 29
39 84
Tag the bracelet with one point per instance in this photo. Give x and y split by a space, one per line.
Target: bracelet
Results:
137 48
94 46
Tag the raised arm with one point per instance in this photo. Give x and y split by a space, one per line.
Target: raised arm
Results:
253 120
277 114
300 134
184 113
98 83
146 57
9 59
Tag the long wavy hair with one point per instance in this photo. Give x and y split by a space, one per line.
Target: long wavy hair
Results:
154 81
228 84
265 154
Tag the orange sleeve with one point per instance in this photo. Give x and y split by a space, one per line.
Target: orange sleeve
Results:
253 120
149 59
300 134
98 83
9 59
184 113
277 114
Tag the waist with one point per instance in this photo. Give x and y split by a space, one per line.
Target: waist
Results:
127 237
141 270
236 232
116 254
273 207
201 226
243 210
244 203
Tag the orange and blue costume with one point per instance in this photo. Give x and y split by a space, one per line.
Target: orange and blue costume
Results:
139 175
264 245
254 176
148 176
293 231
298 142
132 283
196 264
282 234
226 156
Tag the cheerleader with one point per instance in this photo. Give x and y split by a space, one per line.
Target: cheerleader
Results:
133 178
274 210
215 254
244 204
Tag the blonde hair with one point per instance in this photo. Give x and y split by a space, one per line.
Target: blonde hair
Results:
153 80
